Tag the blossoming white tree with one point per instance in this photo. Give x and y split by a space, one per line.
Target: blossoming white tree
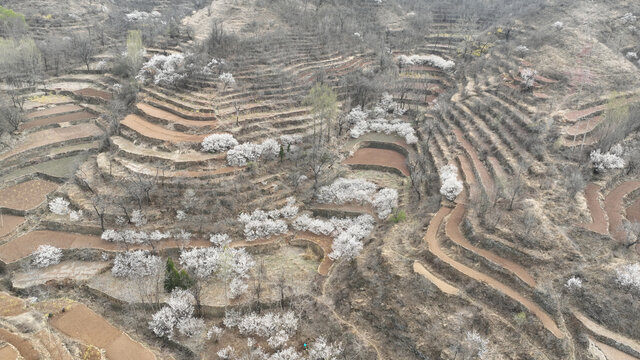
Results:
433 60
602 162
178 314
227 80
219 143
46 255
628 276
138 263
451 186
162 70
59 206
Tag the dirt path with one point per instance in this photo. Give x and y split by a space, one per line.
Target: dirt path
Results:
610 352
26 195
602 331
467 171
172 118
485 177
434 245
83 324
9 222
90 92
150 130
613 205
598 217
77 271
379 157
52 136
441 284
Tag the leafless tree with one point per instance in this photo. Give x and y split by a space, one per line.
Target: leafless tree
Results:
10 118
83 48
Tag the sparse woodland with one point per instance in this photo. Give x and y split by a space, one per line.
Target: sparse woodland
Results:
319 180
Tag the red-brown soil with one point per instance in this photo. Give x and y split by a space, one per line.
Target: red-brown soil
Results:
602 331
598 217
442 285
432 240
584 126
24 347
610 352
172 118
54 110
379 157
89 92
76 116
11 305
8 353
485 177
25 245
614 206
26 195
577 114
633 211
82 324
325 243
150 130
52 136
9 222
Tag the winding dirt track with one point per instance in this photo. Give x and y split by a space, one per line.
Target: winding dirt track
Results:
379 157
610 352
614 206
441 284
434 245
602 331
598 217
455 234
485 177
83 324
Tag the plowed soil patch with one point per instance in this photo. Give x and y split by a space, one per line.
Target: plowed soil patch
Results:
613 205
27 244
76 116
26 195
74 270
8 353
577 114
52 136
598 217
9 222
584 126
172 118
150 130
11 305
54 110
633 211
379 157
83 324
23 345
89 92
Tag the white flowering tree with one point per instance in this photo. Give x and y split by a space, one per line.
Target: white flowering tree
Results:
59 206
628 276
433 60
451 186
360 191
46 255
602 162
527 76
275 328
177 315
227 80
264 224
219 143
143 270
321 349
163 70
